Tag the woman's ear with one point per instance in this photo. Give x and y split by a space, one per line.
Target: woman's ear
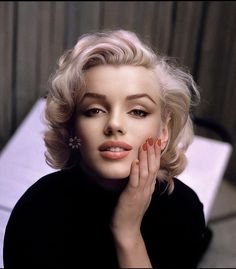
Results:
164 134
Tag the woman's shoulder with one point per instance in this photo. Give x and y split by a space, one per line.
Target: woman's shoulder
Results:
183 199
186 196
42 201
44 190
46 183
183 190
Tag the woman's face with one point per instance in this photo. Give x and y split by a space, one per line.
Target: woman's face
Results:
119 111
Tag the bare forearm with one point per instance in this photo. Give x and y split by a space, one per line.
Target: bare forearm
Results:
132 253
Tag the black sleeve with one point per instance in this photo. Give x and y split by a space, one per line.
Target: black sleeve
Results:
17 248
31 238
175 232
187 240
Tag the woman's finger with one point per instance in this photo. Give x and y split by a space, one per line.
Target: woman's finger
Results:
143 165
152 165
134 174
158 148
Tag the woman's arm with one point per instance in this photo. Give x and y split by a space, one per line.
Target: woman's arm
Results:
132 205
133 253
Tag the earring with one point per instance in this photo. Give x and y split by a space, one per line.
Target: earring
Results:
74 142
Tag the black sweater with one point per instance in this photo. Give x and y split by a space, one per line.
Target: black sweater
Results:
63 219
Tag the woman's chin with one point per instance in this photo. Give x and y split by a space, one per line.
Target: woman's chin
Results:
115 174
111 170
109 176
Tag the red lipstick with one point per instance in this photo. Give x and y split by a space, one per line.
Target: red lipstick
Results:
114 149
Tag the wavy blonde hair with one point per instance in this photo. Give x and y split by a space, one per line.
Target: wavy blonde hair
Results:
178 94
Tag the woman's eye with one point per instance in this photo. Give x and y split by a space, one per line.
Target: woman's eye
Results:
93 112
139 113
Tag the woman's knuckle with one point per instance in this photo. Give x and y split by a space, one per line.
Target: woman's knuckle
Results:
144 174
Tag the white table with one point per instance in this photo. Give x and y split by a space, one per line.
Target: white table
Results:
22 162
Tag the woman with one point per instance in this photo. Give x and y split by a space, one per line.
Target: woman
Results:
119 126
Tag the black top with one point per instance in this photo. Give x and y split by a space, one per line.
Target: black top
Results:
62 220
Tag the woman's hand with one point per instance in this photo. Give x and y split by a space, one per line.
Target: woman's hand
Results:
135 199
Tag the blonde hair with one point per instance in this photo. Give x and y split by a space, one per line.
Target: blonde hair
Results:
178 94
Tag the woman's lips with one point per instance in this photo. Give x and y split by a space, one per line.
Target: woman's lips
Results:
114 150
114 155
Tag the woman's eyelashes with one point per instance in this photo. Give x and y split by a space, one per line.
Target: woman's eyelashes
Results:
139 113
97 111
93 112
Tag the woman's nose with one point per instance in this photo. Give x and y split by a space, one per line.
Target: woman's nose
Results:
114 125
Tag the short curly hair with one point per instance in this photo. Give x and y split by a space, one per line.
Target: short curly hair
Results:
178 94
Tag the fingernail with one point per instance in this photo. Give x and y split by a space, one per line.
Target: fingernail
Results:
150 141
144 146
137 162
159 142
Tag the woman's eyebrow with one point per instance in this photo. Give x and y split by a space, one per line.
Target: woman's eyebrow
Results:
141 95
94 95
130 97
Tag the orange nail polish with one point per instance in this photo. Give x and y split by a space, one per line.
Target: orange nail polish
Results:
159 142
150 141
145 146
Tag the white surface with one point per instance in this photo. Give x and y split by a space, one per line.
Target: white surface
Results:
22 162
207 161
4 216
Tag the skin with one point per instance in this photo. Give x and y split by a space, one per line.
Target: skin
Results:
109 111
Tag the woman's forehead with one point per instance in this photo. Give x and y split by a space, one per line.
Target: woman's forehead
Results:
122 80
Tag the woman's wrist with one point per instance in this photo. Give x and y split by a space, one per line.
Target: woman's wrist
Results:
128 240
132 252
